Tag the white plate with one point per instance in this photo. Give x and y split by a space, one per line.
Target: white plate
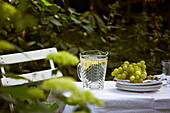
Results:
140 87
146 83
137 90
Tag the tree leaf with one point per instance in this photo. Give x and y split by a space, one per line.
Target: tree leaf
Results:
88 28
20 92
36 93
75 20
46 3
55 22
6 45
73 50
31 43
51 105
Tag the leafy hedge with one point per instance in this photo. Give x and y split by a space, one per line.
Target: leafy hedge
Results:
132 36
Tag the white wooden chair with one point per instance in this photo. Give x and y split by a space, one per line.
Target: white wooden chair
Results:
26 57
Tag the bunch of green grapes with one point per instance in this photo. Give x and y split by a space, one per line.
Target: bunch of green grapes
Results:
135 72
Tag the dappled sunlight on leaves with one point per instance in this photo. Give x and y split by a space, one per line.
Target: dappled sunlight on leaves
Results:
63 58
60 84
83 98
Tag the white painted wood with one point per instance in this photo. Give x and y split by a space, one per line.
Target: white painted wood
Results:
3 70
25 57
52 64
34 77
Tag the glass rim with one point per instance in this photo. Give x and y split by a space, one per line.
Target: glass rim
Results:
90 51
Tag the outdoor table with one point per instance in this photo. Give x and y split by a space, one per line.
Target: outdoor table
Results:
119 101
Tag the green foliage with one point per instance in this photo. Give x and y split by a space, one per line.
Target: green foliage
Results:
5 45
77 97
40 24
137 43
28 98
46 3
85 97
63 58
65 61
51 105
23 92
66 84
22 99
35 24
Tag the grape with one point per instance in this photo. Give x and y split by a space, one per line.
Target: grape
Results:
113 73
116 71
123 76
137 77
138 73
143 76
126 62
132 78
143 67
135 72
131 69
125 66
139 64
142 62
136 68
125 72
133 64
145 73
116 75
130 65
120 69
140 80
119 76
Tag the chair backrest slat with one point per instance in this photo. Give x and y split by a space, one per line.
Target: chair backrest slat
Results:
26 56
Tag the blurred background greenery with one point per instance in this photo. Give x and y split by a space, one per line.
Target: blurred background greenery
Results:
130 30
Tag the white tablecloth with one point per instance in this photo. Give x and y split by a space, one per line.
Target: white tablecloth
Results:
118 101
